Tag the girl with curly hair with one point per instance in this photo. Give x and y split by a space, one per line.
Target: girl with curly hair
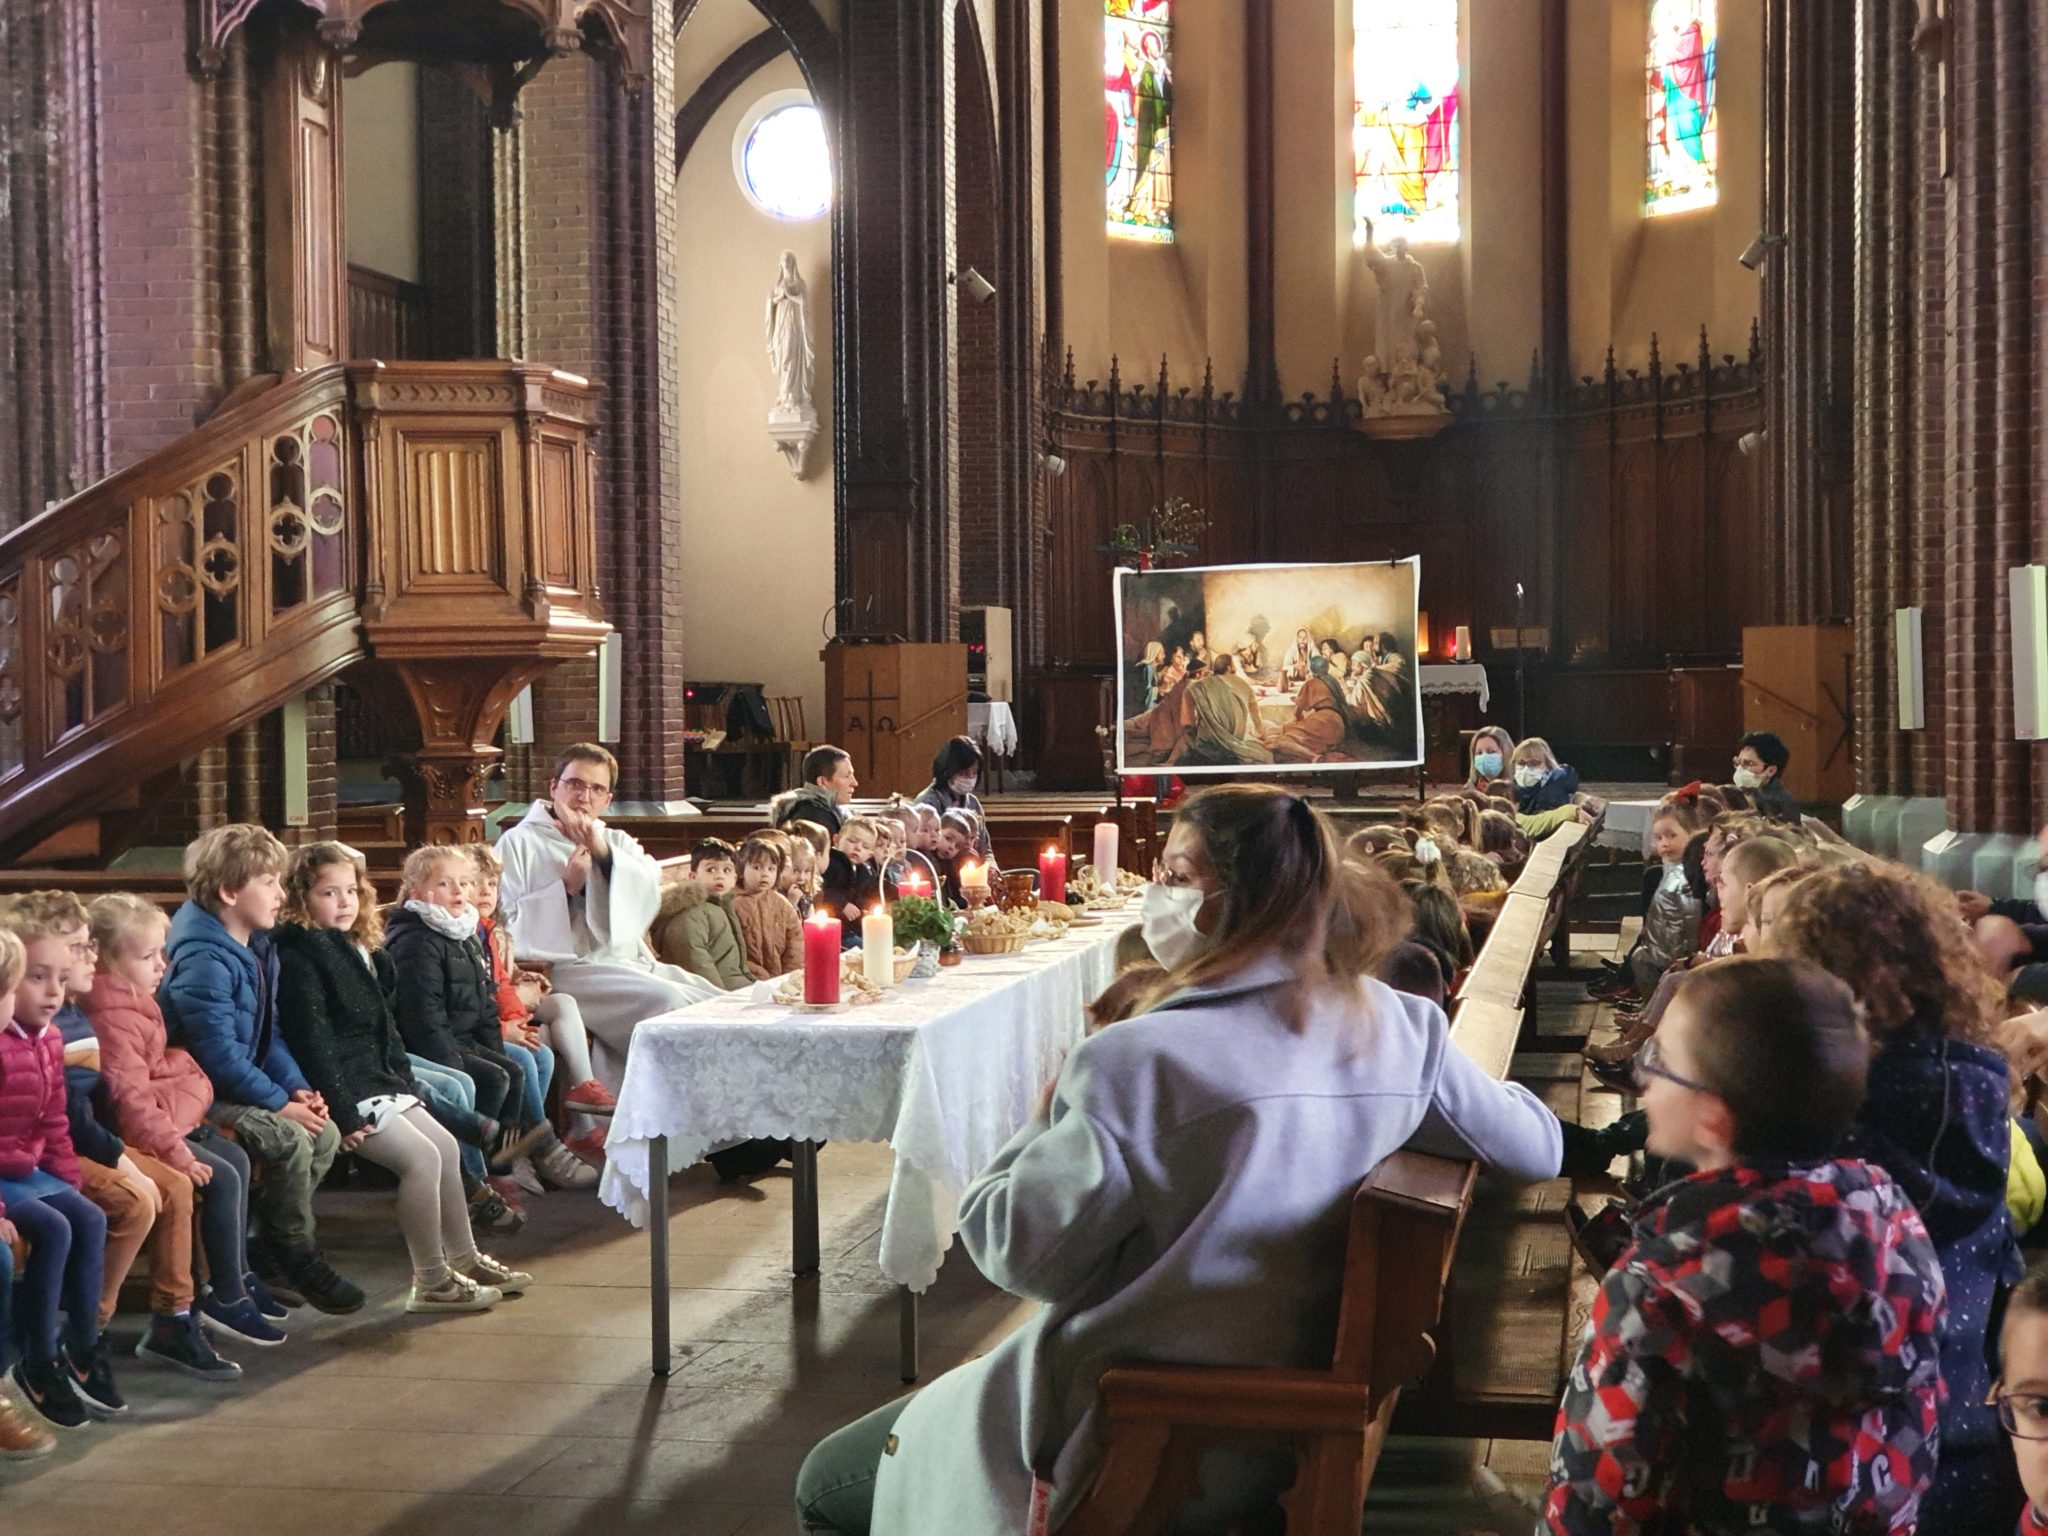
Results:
1935 1118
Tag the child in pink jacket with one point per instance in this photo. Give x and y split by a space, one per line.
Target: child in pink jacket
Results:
160 1096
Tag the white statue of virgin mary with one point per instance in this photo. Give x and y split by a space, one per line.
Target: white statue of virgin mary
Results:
789 337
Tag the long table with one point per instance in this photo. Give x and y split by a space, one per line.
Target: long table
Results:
944 1070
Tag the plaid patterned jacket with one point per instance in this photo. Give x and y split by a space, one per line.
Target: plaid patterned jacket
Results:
1764 1356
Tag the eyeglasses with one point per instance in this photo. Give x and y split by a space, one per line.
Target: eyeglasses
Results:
585 787
2024 1414
1649 1063
1161 875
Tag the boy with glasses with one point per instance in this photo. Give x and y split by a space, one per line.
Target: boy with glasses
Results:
580 895
2021 1393
1765 1352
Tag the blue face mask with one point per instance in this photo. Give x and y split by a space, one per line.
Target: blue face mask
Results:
1487 764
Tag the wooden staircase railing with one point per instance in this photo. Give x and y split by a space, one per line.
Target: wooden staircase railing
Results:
431 519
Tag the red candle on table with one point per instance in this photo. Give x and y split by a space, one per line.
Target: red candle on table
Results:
821 958
1052 875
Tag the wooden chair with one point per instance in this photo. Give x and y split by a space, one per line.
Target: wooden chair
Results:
1158 1419
792 731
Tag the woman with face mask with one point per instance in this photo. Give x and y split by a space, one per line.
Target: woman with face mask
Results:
1491 749
956 771
1542 783
1183 1190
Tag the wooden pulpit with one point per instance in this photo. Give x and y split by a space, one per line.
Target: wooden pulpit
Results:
891 706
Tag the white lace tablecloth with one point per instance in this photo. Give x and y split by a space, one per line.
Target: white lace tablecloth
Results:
994 725
1455 677
944 1070
1627 826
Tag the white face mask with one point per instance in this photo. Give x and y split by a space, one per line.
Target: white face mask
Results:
1168 923
961 784
1747 778
1528 776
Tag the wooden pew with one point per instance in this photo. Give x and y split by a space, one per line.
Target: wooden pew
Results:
1405 1223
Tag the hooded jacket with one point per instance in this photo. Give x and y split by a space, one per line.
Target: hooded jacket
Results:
808 802
1764 1356
338 1022
446 1003
160 1095
219 1000
770 932
1935 1118
698 932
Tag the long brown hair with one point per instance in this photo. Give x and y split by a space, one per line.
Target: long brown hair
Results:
1899 941
1281 886
307 862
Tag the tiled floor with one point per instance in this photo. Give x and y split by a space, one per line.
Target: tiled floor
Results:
540 1417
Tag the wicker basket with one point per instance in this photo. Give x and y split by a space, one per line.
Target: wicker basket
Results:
993 943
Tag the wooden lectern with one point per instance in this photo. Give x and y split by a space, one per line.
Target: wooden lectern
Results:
891 706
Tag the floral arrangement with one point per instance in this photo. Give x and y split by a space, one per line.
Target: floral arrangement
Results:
1171 531
920 918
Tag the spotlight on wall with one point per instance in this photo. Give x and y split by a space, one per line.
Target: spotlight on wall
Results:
1052 463
1753 254
974 285
1750 444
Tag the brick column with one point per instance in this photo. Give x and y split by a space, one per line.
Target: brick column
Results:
593 174
1991 469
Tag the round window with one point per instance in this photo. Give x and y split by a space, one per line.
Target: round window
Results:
781 157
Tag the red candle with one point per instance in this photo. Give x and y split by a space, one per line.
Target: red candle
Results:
915 884
1052 875
821 958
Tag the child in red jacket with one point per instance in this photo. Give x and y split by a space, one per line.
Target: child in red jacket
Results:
40 1194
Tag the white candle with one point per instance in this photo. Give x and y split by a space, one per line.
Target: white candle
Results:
878 947
973 876
1106 835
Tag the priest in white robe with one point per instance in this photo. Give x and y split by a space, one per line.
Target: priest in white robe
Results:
580 895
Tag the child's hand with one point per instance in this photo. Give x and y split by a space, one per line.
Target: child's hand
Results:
355 1138
201 1173
304 1116
850 913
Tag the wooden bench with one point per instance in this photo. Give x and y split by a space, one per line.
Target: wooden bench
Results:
1406 1219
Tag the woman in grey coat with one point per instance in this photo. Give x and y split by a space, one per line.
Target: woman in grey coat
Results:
1183 1192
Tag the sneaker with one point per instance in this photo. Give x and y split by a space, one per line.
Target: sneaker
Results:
507 1189
266 1299
563 1169
485 1270
527 1177
489 1213
48 1388
511 1145
95 1383
240 1320
591 1098
271 1273
589 1146
181 1344
458 1293
324 1290
21 1438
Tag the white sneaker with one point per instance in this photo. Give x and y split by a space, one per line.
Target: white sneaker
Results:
565 1170
485 1270
458 1293
524 1175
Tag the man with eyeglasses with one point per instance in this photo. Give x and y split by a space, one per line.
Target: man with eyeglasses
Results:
579 895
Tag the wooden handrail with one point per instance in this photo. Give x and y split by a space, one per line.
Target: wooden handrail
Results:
418 513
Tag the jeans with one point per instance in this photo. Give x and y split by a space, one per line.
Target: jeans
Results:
6 1306
293 1166
835 1487
67 1240
492 1073
223 1212
451 1099
536 1066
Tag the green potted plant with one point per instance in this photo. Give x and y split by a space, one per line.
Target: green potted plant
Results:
924 924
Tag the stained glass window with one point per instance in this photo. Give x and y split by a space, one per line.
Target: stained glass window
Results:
1684 125
1137 117
1404 119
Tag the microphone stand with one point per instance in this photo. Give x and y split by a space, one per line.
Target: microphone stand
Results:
1521 666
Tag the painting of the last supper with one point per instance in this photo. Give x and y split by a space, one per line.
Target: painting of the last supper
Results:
1275 668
